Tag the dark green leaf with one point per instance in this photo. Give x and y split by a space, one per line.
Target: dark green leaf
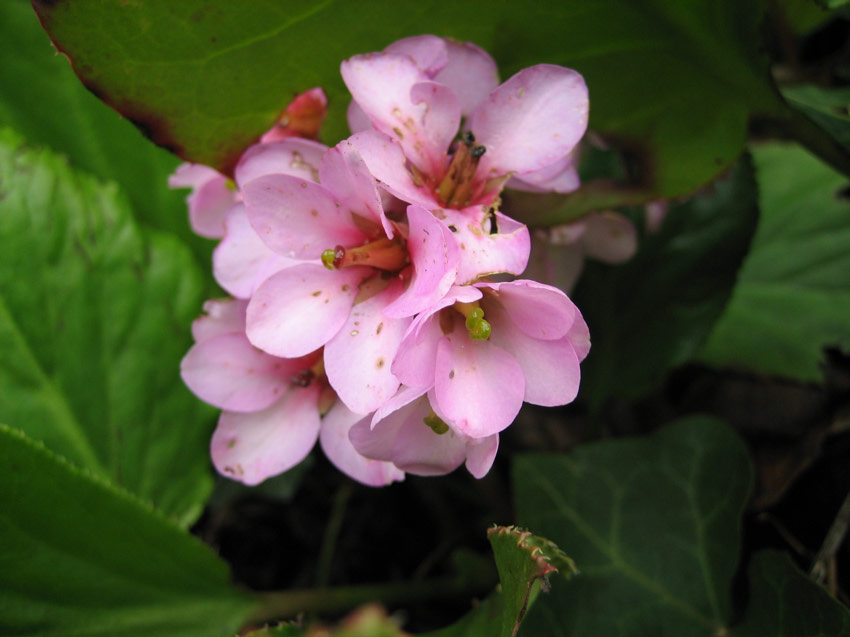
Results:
93 323
653 524
786 603
828 108
652 313
793 296
79 556
673 82
47 104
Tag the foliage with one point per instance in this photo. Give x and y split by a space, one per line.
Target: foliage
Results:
104 453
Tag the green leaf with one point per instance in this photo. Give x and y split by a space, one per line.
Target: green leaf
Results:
79 556
523 560
485 619
793 295
828 108
93 323
655 311
653 524
675 83
786 603
49 106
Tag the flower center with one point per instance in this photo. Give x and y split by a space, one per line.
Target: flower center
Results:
455 189
478 328
383 254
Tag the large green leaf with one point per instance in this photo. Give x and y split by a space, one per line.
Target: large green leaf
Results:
653 525
46 103
79 556
675 83
652 313
793 296
785 603
93 322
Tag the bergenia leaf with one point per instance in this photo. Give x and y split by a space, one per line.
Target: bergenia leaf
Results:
793 295
48 105
205 79
654 312
93 322
81 556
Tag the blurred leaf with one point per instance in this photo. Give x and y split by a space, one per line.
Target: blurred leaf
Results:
93 323
793 295
674 83
79 556
653 524
653 312
828 108
485 619
50 107
786 603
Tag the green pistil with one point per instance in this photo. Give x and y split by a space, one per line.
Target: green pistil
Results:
435 424
479 329
328 257
230 185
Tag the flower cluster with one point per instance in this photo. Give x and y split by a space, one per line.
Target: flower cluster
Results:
374 301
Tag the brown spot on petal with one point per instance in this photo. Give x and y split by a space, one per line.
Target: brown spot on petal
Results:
380 327
317 293
451 374
314 212
231 443
379 363
345 287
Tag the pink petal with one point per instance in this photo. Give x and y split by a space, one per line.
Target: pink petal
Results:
381 84
531 121
301 308
417 449
489 243
609 237
344 173
388 164
579 336
558 265
297 218
255 446
229 373
333 438
241 261
430 138
479 386
539 310
561 177
470 73
294 156
429 52
209 200
550 367
404 396
303 117
377 443
415 362
358 120
481 454
435 257
358 359
222 316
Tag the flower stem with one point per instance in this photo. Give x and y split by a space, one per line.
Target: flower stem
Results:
285 604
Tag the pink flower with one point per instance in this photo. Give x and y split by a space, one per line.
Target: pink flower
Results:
415 94
488 347
271 406
213 194
376 275
407 431
558 253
